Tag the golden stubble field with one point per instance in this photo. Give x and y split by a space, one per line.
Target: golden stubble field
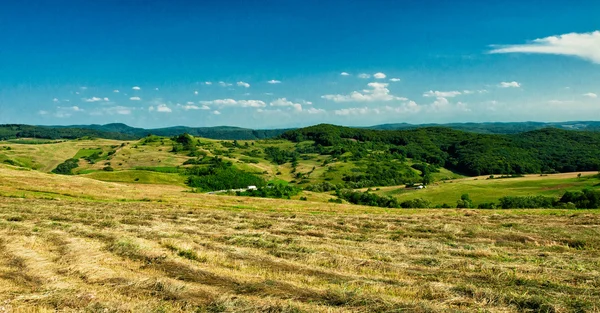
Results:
76 244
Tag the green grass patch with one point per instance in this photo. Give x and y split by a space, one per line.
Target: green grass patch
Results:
136 176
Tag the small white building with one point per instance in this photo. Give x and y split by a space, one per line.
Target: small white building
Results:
251 188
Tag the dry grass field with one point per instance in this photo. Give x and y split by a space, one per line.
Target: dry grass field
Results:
77 244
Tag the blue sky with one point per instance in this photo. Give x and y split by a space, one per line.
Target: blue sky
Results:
289 63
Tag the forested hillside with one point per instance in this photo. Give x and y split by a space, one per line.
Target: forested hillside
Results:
497 128
13 131
542 151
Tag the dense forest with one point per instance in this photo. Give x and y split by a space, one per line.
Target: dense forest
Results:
124 132
548 150
14 131
121 131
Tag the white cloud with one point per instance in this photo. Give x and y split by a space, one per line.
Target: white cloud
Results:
163 108
409 107
344 74
70 109
379 75
224 84
394 80
378 92
273 81
236 103
83 88
136 88
92 99
510 85
444 94
356 111
364 75
135 98
116 91
116 110
582 45
215 112
55 100
560 102
189 106
315 111
440 103
208 83
243 84
283 102
42 112
590 95
196 92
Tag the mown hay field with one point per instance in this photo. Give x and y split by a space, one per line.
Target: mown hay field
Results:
76 244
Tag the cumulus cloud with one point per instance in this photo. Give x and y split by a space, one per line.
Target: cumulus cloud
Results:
136 88
135 98
116 110
379 75
315 111
356 111
196 92
236 103
582 45
283 102
394 80
510 85
243 84
409 107
73 108
191 106
445 94
116 91
208 83
273 81
224 84
590 95
55 100
378 92
345 74
96 99
163 108
215 112
364 75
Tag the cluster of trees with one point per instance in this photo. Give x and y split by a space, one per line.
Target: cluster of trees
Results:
66 167
220 175
378 174
280 156
185 142
278 191
546 150
367 198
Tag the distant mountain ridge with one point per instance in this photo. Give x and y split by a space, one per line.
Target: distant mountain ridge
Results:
122 131
498 127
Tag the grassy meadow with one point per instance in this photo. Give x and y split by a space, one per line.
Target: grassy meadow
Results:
482 190
72 243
